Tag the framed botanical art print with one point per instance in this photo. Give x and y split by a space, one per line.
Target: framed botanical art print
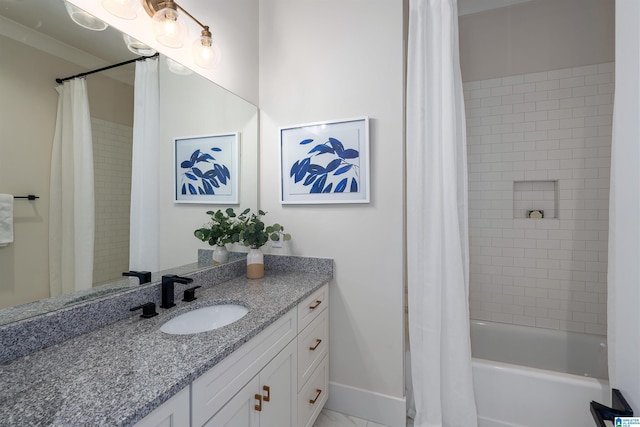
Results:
325 162
206 169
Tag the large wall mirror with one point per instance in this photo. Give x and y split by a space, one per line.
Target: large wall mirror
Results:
40 43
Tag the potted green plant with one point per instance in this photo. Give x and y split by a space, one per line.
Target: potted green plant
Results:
223 228
255 234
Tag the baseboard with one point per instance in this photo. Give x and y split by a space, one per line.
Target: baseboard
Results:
382 409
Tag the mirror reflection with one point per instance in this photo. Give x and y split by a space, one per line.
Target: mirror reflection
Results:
189 105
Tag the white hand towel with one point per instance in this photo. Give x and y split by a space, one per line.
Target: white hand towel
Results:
6 219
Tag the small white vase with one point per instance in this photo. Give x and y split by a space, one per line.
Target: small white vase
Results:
220 254
255 264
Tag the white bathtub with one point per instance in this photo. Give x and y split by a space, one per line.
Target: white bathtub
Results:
511 394
532 377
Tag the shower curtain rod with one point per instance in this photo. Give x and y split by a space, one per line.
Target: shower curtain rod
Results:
106 68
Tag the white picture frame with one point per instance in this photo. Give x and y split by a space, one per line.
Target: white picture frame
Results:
325 162
206 169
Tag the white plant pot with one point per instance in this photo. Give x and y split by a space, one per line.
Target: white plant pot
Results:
220 254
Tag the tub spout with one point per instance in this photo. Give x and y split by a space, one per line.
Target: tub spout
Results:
619 408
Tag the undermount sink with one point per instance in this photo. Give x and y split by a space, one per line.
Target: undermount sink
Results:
204 319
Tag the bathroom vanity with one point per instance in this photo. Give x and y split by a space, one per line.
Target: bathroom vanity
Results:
278 378
269 368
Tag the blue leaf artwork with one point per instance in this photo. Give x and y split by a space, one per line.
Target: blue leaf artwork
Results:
329 167
325 162
202 174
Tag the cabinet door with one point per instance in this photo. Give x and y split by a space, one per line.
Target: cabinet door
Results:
241 410
278 385
173 413
214 388
268 400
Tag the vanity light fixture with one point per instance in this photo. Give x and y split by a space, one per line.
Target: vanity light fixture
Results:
126 9
177 68
84 19
137 46
169 28
205 53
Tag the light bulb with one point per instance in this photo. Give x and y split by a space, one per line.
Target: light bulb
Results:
205 53
177 68
84 19
137 46
170 30
126 9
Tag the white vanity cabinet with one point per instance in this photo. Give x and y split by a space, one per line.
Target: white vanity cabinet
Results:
269 399
173 413
277 379
291 388
231 385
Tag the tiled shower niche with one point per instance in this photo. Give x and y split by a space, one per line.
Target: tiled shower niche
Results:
535 196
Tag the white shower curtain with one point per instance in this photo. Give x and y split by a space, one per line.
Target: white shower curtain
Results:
437 229
144 220
71 204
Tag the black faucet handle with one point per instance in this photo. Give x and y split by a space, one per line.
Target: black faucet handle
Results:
143 276
190 294
174 278
148 310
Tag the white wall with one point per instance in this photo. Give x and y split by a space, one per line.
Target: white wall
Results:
333 60
624 268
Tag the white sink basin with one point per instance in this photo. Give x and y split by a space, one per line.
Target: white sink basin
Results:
204 319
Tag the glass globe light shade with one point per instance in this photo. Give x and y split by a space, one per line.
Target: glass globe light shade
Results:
205 53
137 46
84 19
126 9
169 29
177 68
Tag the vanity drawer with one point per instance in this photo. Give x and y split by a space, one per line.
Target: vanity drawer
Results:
312 346
311 306
314 395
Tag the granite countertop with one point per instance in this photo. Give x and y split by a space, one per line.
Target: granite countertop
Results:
116 375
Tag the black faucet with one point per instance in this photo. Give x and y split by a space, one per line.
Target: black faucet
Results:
148 310
144 276
619 408
190 294
167 288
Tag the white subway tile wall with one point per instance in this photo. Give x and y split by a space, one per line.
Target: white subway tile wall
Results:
533 131
112 144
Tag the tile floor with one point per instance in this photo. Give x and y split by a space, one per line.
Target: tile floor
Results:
329 418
